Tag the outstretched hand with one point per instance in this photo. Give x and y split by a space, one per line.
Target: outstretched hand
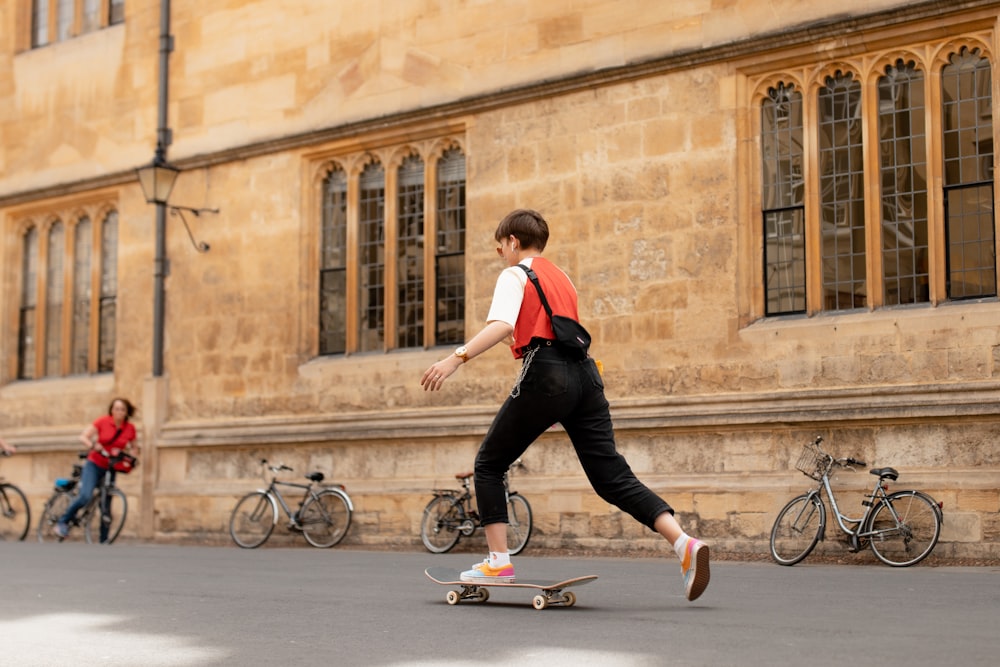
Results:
434 377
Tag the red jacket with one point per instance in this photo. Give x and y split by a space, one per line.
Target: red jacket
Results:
106 430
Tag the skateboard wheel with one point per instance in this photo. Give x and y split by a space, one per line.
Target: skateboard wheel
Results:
452 597
540 602
570 599
483 595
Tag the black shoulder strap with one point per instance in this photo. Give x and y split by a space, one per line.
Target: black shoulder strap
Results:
541 295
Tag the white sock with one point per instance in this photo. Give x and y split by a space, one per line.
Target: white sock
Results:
681 544
499 558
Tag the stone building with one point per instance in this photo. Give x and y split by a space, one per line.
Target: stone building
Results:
779 215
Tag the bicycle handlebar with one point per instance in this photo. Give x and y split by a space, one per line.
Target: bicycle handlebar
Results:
278 468
849 462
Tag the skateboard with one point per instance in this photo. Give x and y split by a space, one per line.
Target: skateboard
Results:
551 591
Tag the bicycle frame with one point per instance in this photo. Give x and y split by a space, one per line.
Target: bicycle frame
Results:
274 494
878 498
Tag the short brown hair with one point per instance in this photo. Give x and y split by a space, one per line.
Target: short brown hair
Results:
527 226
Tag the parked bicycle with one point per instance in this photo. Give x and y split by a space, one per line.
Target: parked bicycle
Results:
323 516
102 518
450 515
902 528
15 514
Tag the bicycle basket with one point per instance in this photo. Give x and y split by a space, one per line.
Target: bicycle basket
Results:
811 462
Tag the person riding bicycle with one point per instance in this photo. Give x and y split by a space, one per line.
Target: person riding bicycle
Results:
108 436
553 386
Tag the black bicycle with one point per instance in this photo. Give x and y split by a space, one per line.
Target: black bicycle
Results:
450 515
15 514
102 518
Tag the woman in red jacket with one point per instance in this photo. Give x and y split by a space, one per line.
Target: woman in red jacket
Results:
108 436
554 385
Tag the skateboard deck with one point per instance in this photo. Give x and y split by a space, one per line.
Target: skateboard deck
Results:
551 592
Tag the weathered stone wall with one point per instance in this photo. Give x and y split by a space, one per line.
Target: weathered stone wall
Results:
637 172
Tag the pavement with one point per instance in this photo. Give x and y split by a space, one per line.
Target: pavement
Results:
184 606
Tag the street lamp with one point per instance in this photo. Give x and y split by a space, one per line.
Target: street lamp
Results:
157 179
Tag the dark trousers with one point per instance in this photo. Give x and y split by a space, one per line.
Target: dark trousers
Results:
555 388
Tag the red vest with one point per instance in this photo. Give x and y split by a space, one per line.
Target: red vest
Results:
532 320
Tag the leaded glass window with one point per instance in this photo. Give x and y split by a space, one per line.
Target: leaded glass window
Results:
81 297
783 200
39 23
450 248
410 253
967 126
54 299
842 194
371 246
29 301
109 294
333 265
903 164
116 11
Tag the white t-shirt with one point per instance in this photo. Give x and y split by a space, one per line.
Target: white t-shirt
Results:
508 294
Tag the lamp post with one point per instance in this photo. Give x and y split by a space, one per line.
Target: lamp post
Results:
157 181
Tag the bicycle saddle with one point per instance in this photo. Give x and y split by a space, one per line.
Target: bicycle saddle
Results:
885 472
315 476
463 475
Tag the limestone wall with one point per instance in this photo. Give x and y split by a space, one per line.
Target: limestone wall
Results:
636 167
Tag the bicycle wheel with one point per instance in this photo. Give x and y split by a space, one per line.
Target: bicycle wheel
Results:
253 520
912 537
54 508
15 515
797 529
103 527
325 519
440 524
519 523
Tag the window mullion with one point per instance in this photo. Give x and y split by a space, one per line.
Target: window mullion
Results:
41 301
937 261
813 240
390 266
53 20
430 251
352 280
873 193
69 255
96 271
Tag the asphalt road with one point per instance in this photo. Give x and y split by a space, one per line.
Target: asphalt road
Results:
184 606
